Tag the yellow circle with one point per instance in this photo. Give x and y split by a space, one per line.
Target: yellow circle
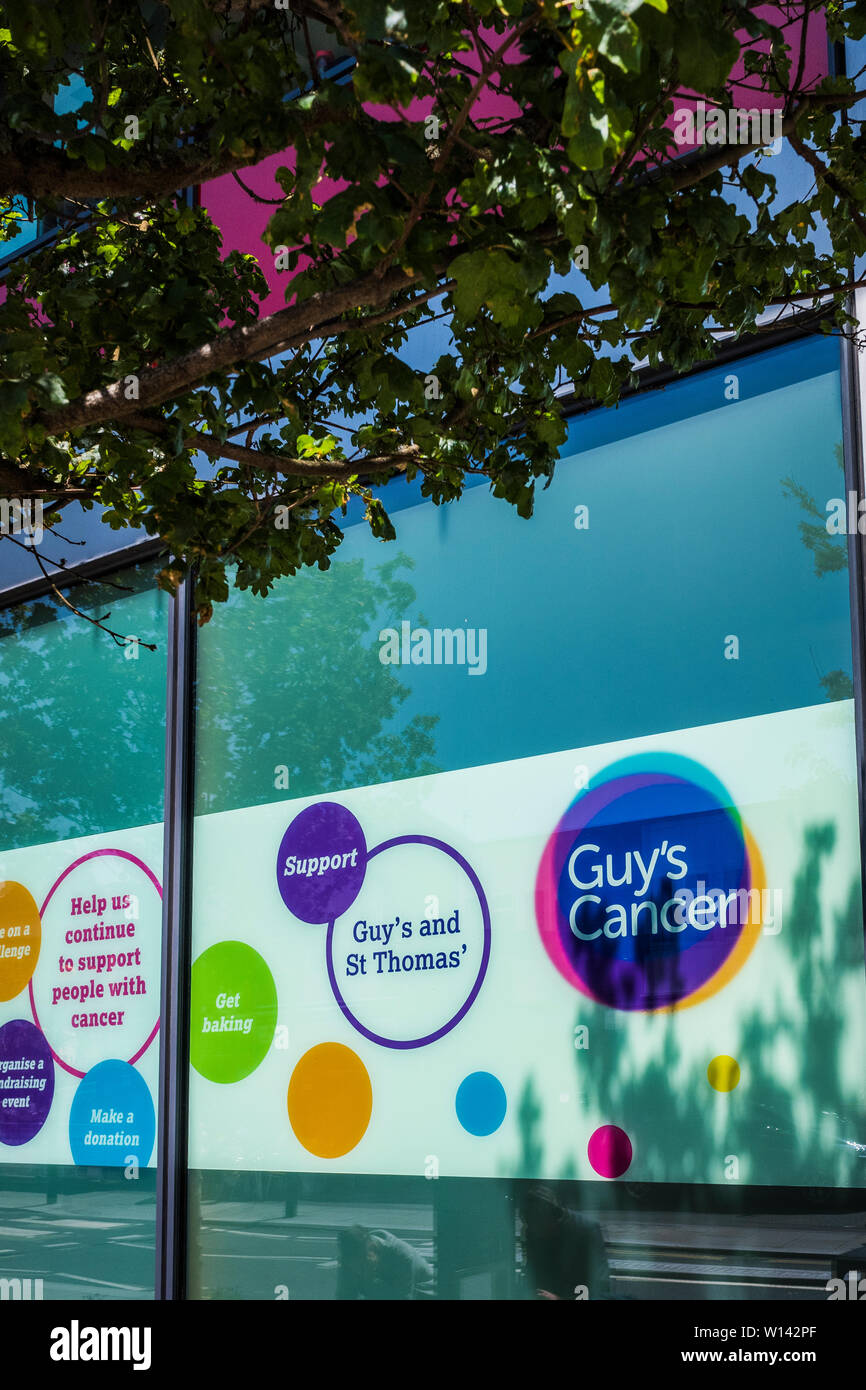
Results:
20 938
330 1100
723 1073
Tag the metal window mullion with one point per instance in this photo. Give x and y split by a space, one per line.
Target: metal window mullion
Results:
171 1183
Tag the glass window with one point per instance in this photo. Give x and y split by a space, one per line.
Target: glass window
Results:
29 229
82 738
528 951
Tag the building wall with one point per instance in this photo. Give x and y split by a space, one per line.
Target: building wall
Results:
660 657
518 972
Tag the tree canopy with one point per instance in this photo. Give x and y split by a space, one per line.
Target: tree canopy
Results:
510 169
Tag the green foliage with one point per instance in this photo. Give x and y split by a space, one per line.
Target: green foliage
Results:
132 348
829 549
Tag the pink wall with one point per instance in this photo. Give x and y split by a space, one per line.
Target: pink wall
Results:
743 87
243 220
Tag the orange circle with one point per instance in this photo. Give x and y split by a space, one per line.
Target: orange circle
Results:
330 1100
20 938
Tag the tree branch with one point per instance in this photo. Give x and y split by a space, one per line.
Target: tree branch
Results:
824 175
36 169
488 68
318 316
281 463
699 168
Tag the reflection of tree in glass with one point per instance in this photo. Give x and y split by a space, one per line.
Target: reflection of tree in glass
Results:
82 727
830 552
296 682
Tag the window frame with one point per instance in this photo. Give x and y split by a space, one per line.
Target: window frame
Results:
172 1237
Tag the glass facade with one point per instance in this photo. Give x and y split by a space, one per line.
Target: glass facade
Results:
520 887
527 920
526 931
82 738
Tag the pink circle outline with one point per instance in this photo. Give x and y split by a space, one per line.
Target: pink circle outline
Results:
93 854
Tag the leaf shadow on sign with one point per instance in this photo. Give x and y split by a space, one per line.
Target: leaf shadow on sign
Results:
798 1117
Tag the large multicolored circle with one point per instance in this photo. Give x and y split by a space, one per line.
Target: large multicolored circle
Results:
610 888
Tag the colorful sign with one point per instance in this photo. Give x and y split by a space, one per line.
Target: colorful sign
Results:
650 893
79 1000
609 961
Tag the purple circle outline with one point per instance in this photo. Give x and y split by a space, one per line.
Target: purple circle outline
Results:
485 954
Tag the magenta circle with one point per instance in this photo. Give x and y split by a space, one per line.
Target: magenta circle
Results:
93 854
485 953
609 1151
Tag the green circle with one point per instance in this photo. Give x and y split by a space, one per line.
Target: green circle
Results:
219 1048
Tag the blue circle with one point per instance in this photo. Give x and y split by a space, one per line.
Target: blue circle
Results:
112 1118
481 1103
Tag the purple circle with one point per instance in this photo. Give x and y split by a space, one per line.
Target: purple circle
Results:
27 1076
485 952
644 973
321 863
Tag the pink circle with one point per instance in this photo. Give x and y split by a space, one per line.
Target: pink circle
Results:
609 1151
95 854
